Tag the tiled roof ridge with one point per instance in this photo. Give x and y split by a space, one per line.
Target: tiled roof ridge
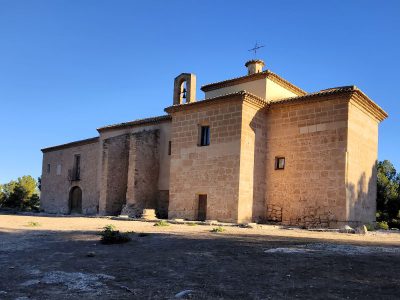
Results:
264 74
136 122
362 98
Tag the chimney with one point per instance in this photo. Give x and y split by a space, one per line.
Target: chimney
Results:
254 66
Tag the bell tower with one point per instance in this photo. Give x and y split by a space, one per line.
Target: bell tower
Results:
184 88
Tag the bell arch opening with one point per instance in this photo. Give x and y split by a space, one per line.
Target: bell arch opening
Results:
185 88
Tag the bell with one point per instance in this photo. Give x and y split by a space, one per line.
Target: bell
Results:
184 93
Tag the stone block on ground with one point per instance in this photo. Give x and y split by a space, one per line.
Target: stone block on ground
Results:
346 229
149 214
361 229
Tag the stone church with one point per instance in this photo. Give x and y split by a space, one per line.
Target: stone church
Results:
257 148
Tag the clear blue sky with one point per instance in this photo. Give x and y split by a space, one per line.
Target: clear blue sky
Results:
68 67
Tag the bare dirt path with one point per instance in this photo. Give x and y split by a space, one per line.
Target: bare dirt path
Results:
47 258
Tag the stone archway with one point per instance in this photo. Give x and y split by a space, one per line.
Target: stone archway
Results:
75 200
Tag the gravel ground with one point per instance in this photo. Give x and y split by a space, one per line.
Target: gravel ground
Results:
46 257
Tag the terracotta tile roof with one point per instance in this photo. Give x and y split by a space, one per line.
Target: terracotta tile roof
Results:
324 92
72 144
258 100
265 74
360 98
136 123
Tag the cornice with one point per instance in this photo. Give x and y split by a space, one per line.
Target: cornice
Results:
370 106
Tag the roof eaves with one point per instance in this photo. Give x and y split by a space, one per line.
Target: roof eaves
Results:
242 94
71 144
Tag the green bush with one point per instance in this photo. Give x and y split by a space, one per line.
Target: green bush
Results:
370 227
382 225
161 223
112 236
191 224
218 229
33 224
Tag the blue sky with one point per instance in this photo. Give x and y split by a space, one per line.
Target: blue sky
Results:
68 67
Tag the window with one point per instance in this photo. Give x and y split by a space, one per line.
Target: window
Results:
169 148
204 136
58 169
48 168
77 167
279 163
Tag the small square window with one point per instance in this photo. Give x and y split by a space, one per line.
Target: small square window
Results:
279 163
204 135
169 147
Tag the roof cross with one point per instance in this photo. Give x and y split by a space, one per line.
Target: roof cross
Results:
256 47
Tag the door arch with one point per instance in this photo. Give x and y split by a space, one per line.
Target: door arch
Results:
75 200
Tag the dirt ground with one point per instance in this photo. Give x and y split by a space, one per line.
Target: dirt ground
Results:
50 261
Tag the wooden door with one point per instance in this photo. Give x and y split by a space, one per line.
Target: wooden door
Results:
76 200
202 209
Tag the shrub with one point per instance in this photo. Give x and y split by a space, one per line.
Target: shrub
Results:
161 223
109 227
191 224
112 236
218 229
33 224
382 225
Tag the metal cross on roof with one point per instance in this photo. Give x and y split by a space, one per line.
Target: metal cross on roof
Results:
256 47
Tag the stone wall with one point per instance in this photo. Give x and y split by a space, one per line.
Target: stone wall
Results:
252 164
361 165
115 161
211 170
56 185
143 171
312 136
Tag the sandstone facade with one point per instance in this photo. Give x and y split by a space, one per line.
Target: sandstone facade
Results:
256 149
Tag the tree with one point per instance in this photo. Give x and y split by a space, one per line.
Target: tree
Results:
21 194
388 193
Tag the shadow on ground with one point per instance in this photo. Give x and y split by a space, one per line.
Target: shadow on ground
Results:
43 264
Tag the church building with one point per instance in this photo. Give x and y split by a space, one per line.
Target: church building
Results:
257 148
